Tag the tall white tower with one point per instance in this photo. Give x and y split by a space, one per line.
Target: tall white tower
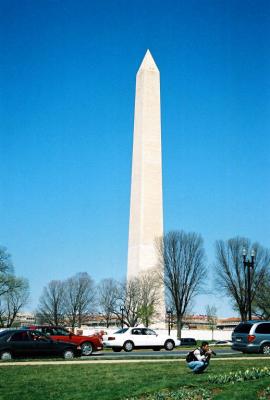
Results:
146 206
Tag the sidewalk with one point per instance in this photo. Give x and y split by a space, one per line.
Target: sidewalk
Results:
79 362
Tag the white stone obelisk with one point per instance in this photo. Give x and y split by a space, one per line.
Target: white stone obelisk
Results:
146 205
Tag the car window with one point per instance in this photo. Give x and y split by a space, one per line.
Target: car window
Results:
61 331
38 336
19 337
136 332
263 328
4 335
243 328
49 331
149 332
122 330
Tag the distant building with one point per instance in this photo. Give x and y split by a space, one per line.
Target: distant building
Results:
196 321
26 318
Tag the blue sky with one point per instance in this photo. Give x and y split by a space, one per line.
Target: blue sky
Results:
66 124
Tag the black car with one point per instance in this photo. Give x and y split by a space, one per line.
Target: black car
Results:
188 342
31 343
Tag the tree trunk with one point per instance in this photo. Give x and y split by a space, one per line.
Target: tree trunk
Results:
179 326
243 315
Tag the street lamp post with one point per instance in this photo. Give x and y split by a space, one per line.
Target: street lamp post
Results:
169 313
249 264
122 316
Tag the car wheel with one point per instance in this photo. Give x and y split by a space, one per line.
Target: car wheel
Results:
87 349
128 346
169 345
68 354
265 349
116 349
6 355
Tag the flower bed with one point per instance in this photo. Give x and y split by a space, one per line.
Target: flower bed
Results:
240 376
181 394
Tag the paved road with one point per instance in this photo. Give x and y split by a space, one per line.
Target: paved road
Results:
133 357
152 354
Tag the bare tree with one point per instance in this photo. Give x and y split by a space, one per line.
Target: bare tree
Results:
13 301
231 276
14 291
182 257
211 313
7 279
108 296
150 294
80 298
261 303
51 308
139 298
129 301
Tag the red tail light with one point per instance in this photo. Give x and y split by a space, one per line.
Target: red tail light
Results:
251 338
111 338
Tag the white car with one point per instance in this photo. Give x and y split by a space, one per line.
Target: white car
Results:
139 338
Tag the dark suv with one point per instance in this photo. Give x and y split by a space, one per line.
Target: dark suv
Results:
252 337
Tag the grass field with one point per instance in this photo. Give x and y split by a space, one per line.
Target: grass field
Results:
120 381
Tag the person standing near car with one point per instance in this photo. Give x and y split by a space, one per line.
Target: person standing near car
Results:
198 359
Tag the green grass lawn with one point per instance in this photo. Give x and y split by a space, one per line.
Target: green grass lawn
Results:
120 381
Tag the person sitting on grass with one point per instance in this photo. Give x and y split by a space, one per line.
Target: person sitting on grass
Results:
198 359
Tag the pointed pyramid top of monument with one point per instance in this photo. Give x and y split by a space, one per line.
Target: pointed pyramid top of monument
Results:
148 63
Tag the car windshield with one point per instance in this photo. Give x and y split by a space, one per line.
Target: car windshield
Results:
243 328
5 334
122 330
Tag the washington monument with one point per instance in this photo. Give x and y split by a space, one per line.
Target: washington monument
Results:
146 206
